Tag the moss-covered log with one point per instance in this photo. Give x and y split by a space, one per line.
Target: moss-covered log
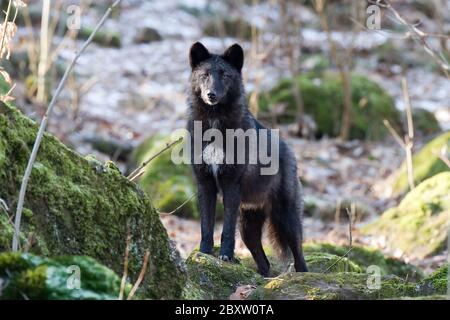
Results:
76 206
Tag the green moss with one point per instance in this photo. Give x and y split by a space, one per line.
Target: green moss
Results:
317 261
365 257
323 99
31 277
425 164
436 283
84 208
212 278
419 225
169 185
325 262
147 35
332 286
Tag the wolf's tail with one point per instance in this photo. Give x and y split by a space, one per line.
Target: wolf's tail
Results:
285 227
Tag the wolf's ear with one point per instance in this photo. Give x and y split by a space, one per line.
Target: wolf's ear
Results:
197 54
234 55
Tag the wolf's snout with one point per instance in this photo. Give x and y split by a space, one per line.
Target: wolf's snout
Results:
212 96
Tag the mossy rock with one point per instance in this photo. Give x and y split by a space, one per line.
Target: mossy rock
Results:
332 286
105 38
168 184
316 262
426 164
321 262
323 100
80 207
212 278
26 276
321 256
365 257
419 225
436 283
231 27
424 122
147 35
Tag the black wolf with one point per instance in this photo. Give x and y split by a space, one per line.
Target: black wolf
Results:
217 99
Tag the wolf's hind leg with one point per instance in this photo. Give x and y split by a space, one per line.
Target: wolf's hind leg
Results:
252 222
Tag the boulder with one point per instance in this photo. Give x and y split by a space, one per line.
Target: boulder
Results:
436 283
419 225
426 164
168 184
365 257
78 206
147 35
317 261
332 286
212 278
26 276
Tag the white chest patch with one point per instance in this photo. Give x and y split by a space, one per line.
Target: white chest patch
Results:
213 156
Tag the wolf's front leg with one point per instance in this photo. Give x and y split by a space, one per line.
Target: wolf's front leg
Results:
207 195
231 202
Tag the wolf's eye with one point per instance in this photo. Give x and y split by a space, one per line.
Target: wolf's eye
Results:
226 76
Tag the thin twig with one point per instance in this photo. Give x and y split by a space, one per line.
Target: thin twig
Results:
350 214
141 276
409 139
179 207
42 127
340 258
125 266
394 133
138 171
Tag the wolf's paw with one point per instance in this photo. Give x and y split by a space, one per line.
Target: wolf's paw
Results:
225 258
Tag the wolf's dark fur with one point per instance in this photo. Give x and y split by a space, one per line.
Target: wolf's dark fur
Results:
217 98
